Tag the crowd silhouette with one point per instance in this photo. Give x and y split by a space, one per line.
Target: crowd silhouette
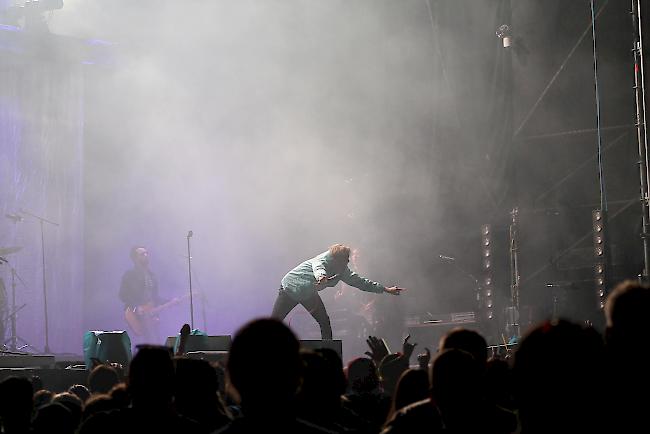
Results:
561 377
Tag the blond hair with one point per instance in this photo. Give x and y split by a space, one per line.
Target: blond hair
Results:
339 251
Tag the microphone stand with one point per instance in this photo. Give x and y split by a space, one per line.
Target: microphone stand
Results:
205 324
454 262
189 273
42 220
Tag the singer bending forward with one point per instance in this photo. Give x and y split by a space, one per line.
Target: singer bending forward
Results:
301 285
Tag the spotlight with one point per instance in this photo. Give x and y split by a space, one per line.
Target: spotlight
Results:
486 302
504 32
44 5
600 256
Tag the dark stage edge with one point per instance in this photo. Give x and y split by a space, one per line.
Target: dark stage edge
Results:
57 372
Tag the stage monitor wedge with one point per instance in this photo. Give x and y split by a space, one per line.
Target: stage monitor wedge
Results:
315 344
107 346
202 343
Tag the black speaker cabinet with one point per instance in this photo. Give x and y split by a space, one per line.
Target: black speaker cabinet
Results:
201 343
428 335
316 344
107 346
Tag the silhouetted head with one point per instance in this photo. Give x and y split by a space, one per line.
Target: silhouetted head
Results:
120 395
42 397
412 386
16 402
54 417
499 383
264 364
96 404
556 371
456 379
72 402
102 378
80 391
321 387
319 395
196 386
466 340
151 378
625 311
363 376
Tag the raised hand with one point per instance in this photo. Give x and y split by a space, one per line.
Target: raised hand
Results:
424 359
407 347
378 349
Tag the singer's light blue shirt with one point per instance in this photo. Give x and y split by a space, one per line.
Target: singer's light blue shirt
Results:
300 283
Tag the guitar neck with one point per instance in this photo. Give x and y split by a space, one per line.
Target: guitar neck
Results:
170 303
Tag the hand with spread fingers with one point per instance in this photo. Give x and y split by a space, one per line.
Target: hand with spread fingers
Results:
394 290
378 349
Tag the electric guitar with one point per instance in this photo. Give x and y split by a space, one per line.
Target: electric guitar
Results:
142 318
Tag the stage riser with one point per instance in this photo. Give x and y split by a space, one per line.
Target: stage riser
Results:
55 380
307 344
27 361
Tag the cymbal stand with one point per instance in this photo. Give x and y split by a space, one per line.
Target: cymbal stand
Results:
14 338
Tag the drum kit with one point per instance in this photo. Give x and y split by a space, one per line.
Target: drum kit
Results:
8 311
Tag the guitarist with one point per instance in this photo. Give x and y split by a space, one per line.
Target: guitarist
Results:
139 292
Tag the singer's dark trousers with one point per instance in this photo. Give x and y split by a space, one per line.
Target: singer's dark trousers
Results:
314 305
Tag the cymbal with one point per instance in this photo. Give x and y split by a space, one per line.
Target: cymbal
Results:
9 250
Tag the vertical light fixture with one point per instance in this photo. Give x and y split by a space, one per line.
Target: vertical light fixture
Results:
487 305
600 256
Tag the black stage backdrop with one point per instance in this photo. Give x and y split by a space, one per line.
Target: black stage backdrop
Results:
427 128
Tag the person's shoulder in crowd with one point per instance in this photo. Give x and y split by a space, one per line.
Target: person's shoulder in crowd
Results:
297 426
419 416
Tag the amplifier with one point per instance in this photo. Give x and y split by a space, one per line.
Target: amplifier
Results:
428 334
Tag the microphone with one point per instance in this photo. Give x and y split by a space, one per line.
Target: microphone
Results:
15 217
189 234
447 258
